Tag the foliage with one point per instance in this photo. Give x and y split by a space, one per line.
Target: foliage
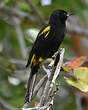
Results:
82 76
10 48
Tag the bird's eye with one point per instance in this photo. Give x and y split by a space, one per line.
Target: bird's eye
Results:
64 13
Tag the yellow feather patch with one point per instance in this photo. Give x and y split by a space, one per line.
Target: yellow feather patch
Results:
46 29
41 59
33 60
46 35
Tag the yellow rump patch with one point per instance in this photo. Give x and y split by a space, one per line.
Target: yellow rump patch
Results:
41 59
45 30
34 61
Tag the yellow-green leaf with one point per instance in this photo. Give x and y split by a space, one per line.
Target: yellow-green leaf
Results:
75 63
65 68
81 74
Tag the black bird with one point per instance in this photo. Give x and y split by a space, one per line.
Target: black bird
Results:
47 43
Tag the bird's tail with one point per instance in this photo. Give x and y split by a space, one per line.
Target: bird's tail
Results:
31 84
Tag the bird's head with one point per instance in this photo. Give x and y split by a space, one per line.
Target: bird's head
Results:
59 16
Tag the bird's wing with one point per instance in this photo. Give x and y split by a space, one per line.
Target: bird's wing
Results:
45 31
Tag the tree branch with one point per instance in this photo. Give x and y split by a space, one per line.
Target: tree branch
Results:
20 37
5 105
49 84
46 106
72 27
51 80
36 11
39 85
15 12
39 108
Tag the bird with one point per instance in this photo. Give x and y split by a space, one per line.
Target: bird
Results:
46 44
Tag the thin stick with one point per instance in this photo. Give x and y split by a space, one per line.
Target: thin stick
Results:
36 11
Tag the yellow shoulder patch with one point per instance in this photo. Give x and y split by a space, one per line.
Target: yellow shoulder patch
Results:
45 30
46 35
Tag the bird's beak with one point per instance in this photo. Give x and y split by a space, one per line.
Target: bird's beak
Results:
69 14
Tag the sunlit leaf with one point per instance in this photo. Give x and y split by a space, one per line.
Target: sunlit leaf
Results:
77 62
81 83
23 5
65 68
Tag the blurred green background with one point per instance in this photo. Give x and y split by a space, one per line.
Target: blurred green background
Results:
20 21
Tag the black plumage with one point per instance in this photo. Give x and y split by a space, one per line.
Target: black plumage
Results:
47 42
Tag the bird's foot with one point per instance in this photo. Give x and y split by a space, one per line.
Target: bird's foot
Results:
47 70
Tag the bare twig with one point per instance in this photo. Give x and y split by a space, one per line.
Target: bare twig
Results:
57 71
38 86
39 108
5 105
15 12
77 29
18 62
20 38
46 106
49 84
72 27
52 78
78 103
36 11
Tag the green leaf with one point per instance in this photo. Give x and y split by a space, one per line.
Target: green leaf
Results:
82 75
68 42
23 6
76 6
9 3
3 30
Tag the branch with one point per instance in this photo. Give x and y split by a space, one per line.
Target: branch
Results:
5 105
78 103
46 106
75 28
20 37
15 12
39 85
39 108
55 72
18 62
72 27
49 84
36 11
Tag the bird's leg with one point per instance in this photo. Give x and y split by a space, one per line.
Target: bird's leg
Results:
46 70
49 67
51 64
50 60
